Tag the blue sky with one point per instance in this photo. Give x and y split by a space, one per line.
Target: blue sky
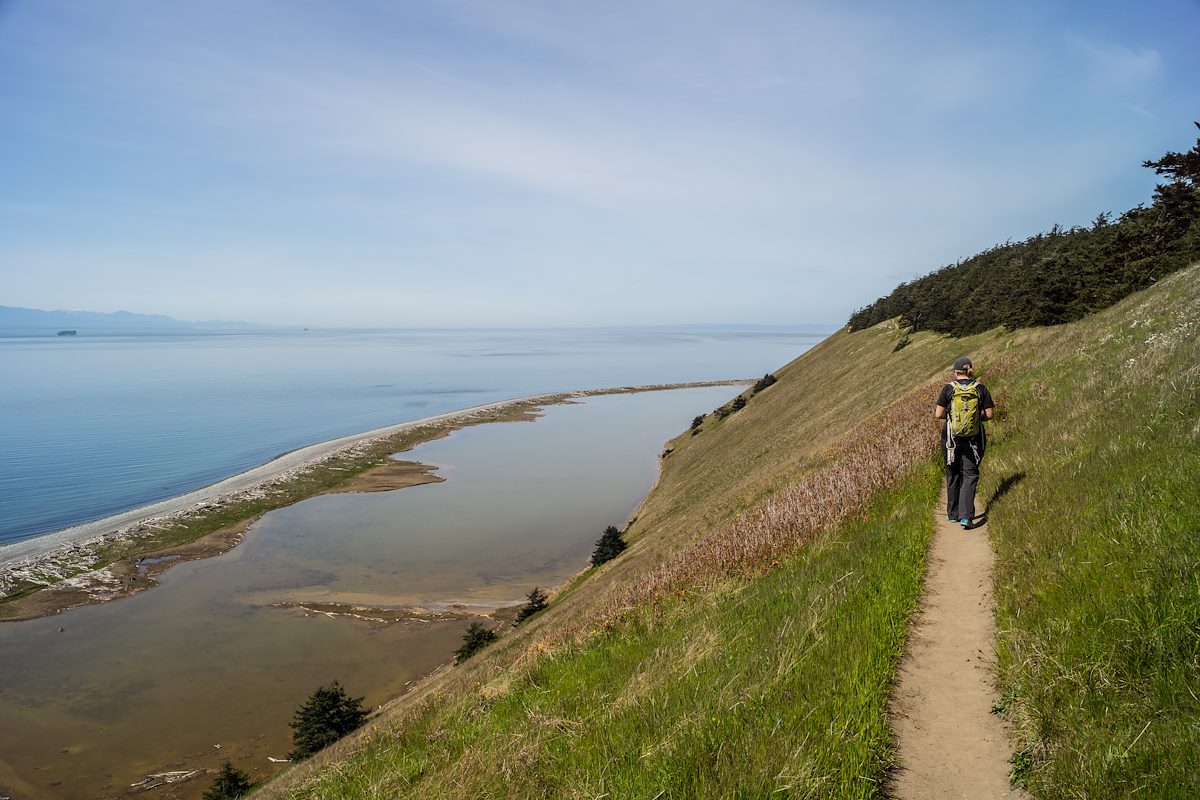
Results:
555 163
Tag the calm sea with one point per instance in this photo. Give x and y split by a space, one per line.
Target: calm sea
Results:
92 425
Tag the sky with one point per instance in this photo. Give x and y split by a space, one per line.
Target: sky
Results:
413 163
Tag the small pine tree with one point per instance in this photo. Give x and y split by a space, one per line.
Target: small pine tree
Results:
739 403
536 602
608 546
475 639
697 422
230 784
764 382
327 716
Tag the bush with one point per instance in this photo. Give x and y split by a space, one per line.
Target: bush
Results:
608 546
737 404
697 422
764 382
230 784
327 716
536 602
475 639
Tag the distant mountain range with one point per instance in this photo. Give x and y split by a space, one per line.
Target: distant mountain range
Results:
34 319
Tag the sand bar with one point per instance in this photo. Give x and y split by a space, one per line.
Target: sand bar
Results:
55 558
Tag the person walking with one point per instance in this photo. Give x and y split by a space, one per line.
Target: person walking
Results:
963 405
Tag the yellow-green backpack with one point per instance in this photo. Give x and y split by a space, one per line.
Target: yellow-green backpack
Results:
964 409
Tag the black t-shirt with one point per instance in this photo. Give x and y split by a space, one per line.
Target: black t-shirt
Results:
985 402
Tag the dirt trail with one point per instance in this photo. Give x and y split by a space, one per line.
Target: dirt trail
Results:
949 744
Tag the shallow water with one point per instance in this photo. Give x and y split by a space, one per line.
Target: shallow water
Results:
155 682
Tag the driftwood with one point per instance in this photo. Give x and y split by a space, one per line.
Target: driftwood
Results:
163 778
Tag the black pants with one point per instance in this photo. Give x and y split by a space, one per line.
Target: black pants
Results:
962 476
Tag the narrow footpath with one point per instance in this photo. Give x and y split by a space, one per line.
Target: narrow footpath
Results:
949 744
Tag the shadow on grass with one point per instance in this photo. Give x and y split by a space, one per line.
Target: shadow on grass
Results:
1005 486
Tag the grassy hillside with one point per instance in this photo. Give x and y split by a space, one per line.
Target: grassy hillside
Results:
746 642
1098 584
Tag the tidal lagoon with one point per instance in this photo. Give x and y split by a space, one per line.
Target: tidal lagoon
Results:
211 664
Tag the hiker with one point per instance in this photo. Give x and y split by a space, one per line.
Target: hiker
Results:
963 405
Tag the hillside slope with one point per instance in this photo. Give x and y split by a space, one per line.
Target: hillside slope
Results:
746 642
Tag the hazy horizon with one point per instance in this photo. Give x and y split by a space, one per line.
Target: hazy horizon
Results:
146 320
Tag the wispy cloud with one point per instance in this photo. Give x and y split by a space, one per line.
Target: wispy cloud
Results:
1117 67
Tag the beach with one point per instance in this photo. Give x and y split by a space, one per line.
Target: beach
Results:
107 558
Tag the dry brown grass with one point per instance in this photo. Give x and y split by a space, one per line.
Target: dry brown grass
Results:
789 519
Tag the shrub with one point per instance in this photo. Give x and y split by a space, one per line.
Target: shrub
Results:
230 784
475 639
327 716
608 546
697 421
764 382
536 601
737 404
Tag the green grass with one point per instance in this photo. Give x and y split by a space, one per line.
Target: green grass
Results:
1098 582
776 685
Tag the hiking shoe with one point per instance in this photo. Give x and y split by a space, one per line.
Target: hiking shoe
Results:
965 522
951 519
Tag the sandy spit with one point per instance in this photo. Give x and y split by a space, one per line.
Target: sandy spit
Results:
56 558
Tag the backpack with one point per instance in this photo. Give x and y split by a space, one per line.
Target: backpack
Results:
963 414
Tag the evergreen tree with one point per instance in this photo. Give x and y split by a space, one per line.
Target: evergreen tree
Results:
608 546
697 422
1058 276
327 716
764 382
475 639
536 602
231 783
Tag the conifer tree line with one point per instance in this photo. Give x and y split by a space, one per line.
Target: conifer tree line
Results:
1063 274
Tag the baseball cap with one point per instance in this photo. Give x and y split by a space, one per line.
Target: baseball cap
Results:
962 364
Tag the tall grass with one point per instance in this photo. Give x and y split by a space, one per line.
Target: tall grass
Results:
774 686
1098 538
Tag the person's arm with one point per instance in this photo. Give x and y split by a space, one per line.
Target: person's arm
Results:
939 408
989 405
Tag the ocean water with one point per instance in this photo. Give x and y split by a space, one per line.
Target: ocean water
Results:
93 425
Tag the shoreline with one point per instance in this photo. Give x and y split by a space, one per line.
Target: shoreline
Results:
104 559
